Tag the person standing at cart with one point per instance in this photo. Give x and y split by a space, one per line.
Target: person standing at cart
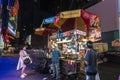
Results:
90 60
55 61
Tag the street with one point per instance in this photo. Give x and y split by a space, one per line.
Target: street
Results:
8 71
108 71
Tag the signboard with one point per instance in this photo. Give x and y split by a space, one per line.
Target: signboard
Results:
48 20
80 32
95 34
68 33
11 29
70 14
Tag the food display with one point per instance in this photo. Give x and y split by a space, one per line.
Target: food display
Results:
72 45
72 49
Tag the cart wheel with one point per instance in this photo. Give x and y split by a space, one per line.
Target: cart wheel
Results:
105 59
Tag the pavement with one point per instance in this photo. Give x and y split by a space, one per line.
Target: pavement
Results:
107 71
8 71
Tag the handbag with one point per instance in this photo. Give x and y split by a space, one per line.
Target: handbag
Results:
26 61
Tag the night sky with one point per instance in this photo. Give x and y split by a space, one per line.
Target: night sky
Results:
32 12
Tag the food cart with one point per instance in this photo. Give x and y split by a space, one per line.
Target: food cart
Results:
72 49
75 28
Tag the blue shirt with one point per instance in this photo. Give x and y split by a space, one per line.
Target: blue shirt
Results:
91 58
55 56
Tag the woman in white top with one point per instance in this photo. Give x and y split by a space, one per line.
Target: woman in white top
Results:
23 54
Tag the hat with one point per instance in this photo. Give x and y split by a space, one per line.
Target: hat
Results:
89 44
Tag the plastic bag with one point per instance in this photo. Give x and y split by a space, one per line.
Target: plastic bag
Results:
119 77
97 77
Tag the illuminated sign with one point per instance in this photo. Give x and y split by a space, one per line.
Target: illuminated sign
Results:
48 20
11 29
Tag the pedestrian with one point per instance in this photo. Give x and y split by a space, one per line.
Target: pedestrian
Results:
90 61
23 56
55 62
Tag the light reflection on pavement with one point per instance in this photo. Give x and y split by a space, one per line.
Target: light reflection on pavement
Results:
8 71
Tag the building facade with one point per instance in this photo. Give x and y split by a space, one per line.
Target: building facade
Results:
109 13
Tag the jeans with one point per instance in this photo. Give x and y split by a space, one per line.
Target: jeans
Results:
56 71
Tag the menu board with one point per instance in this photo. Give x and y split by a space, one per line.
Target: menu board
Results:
95 34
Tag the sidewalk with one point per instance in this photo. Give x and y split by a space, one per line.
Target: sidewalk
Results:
107 71
8 71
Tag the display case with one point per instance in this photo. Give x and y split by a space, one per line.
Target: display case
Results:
72 49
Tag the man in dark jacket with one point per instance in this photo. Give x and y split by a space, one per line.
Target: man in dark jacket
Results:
90 62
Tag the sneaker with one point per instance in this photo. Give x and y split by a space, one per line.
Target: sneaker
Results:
31 62
44 78
22 76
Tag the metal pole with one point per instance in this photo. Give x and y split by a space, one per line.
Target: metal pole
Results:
118 15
